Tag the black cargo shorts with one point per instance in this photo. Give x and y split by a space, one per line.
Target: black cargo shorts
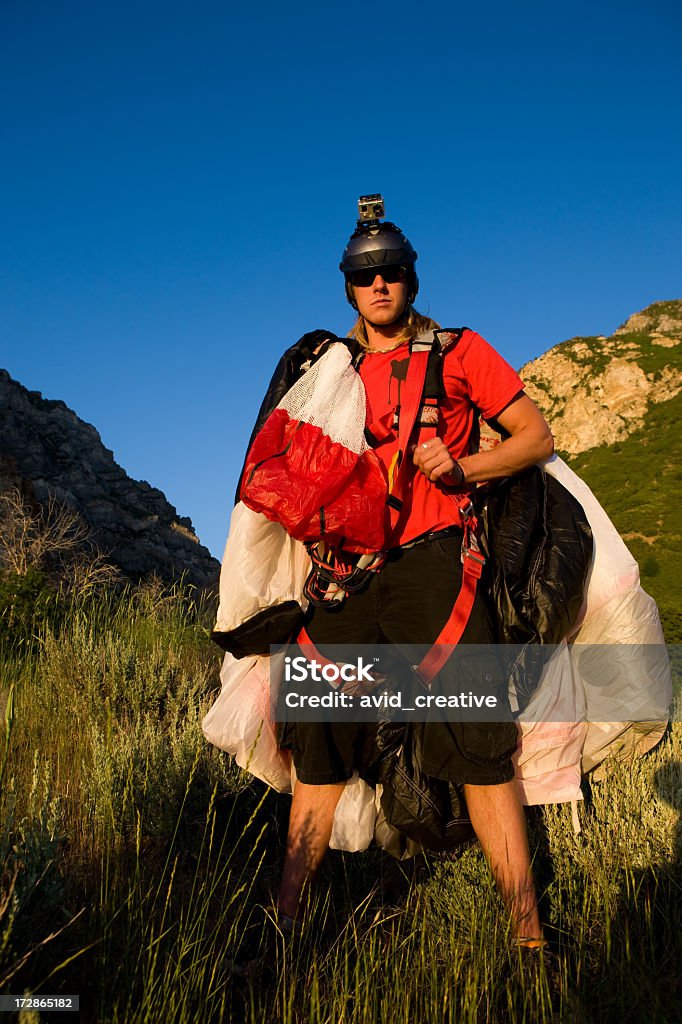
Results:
408 603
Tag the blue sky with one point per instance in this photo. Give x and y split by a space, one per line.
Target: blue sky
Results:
178 181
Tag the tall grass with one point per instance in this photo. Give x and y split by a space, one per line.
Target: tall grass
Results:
136 860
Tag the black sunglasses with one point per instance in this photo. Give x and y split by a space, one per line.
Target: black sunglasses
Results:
365 278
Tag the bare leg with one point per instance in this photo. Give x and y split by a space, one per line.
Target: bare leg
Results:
310 828
499 823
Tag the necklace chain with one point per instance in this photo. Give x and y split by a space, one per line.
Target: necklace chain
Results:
391 348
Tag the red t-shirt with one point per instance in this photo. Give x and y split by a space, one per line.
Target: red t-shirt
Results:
477 381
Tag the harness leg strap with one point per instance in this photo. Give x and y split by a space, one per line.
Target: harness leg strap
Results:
451 633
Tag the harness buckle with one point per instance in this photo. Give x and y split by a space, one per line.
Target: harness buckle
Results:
473 558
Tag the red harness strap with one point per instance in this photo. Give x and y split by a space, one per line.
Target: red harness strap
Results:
451 633
310 651
409 411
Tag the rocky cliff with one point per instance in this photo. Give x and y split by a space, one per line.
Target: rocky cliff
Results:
597 390
46 449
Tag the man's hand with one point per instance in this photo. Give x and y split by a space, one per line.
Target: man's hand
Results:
433 459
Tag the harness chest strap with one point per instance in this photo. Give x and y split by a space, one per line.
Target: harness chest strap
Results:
472 557
422 392
409 411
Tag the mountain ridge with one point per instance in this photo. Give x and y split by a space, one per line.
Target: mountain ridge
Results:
47 450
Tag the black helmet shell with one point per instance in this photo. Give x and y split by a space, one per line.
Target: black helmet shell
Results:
381 245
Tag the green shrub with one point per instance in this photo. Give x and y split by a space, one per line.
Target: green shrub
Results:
26 603
650 566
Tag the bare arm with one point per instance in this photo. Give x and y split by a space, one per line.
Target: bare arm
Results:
530 441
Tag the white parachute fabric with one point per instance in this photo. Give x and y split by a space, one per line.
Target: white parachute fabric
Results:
355 815
354 818
262 567
622 647
551 735
614 571
622 740
240 721
618 647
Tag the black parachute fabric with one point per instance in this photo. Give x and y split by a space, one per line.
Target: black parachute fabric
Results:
539 544
430 812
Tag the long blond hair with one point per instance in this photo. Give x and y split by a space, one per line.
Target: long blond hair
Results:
413 324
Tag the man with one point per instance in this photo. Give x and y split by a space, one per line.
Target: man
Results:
412 597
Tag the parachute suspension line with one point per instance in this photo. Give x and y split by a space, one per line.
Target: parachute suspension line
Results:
336 573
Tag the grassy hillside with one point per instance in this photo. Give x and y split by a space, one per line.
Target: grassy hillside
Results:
639 483
135 859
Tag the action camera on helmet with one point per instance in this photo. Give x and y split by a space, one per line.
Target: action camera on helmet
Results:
370 208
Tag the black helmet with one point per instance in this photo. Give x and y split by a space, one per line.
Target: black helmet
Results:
374 244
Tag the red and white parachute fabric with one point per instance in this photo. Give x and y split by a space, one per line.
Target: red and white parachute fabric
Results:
310 467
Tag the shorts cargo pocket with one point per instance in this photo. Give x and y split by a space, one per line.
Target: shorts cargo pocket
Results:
488 732
481 672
